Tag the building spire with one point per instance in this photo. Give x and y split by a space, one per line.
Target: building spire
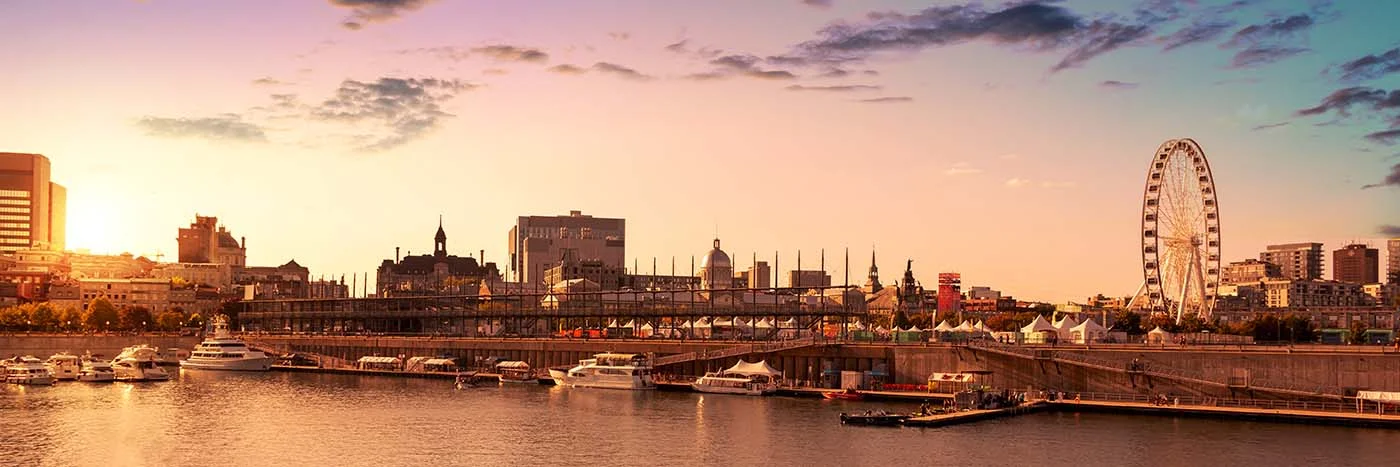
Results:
440 240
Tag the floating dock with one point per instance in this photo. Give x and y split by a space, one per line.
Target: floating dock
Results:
1310 417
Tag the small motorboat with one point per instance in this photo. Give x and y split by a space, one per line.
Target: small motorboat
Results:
873 418
847 395
467 380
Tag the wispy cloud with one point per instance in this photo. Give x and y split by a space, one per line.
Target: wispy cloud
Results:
1386 137
1115 84
1270 125
837 88
1389 230
1029 25
1269 42
567 69
1342 101
375 11
1371 66
620 71
742 65
1391 180
961 168
511 53
226 127
817 3
267 81
1195 33
404 108
1017 182
888 100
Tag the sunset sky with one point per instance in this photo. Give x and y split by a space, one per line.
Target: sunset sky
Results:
1008 142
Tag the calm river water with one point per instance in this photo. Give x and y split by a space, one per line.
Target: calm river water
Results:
220 419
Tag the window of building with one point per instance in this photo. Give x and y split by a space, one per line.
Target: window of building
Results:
15 193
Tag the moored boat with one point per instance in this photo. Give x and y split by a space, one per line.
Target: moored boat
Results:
28 370
608 371
750 379
223 351
138 363
874 418
847 395
95 370
516 372
64 366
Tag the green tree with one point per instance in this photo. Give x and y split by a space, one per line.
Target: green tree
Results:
1358 332
71 318
170 320
1299 328
134 317
44 316
1127 320
13 317
100 314
901 320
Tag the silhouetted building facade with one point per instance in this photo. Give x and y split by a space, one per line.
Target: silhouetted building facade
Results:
32 208
273 282
1356 264
435 274
1249 271
570 268
205 241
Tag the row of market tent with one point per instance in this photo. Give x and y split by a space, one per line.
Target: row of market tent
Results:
1065 329
706 327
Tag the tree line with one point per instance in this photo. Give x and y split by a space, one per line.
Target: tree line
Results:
100 315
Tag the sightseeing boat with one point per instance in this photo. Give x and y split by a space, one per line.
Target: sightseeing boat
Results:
608 371
28 370
223 351
95 370
750 379
64 366
138 363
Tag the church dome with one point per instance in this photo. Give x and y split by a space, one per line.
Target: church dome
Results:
715 259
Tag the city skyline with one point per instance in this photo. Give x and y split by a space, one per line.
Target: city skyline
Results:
332 134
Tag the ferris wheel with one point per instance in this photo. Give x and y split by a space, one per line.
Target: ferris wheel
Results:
1180 232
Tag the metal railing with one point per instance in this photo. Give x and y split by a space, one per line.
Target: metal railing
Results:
1203 401
742 349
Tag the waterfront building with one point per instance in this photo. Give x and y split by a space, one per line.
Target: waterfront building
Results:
205 241
1296 261
716 271
1323 317
1382 294
536 242
437 274
1249 271
156 295
656 282
949 292
216 275
1357 264
273 282
32 208
1285 293
758 276
323 288
808 278
571 267
872 284
1392 262
124 266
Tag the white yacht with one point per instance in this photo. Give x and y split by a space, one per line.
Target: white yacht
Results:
750 379
138 363
610 371
64 366
95 371
28 370
225 352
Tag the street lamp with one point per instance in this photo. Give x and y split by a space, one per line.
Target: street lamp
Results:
143 326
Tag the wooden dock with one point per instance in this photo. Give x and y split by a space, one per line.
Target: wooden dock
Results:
1311 417
969 416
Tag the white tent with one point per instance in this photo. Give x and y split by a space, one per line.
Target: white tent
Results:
966 326
740 323
1159 336
1039 325
701 323
913 328
943 327
1064 325
761 367
1087 332
860 326
763 324
790 323
980 327
881 329
722 323
646 330
631 323
612 324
